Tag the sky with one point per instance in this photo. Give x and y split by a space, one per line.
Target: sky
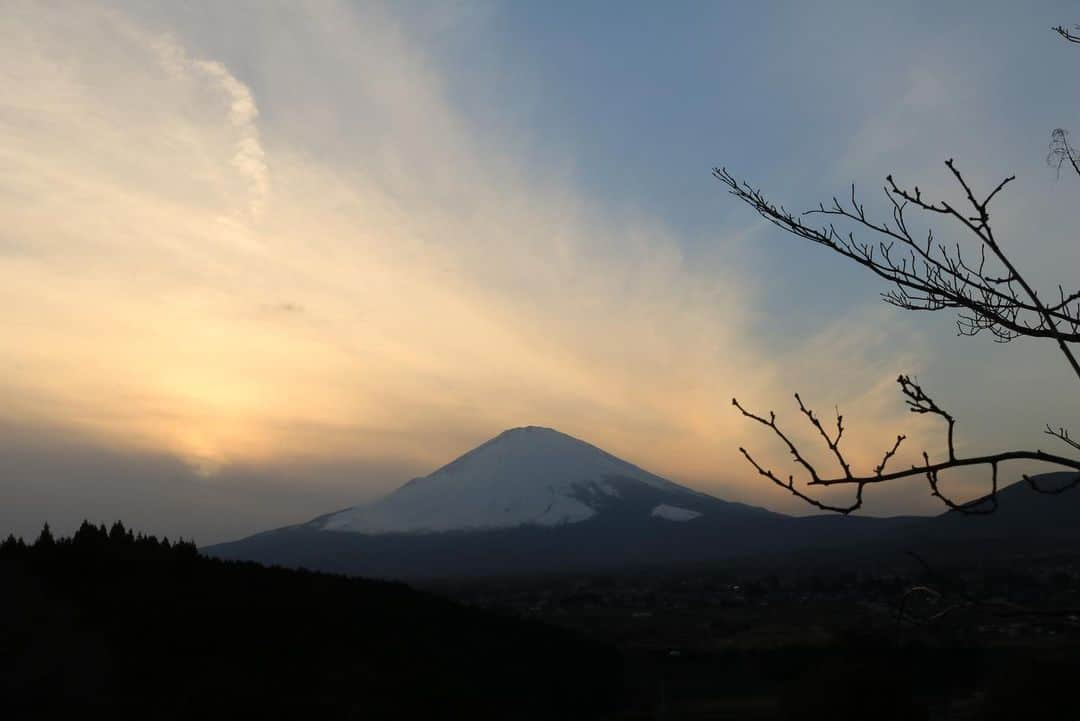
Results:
262 261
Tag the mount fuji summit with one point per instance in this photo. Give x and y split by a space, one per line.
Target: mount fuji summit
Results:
524 476
529 500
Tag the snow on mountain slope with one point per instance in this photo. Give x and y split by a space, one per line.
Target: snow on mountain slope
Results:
673 513
524 476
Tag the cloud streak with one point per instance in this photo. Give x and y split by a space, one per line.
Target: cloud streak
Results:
248 158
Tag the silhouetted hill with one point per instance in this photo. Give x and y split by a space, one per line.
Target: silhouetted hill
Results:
1025 522
1021 506
1026 525
112 625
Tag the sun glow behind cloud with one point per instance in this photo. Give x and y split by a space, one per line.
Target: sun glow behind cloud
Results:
177 278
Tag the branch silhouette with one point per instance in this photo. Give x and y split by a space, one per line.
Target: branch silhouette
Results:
985 286
989 292
918 402
1072 37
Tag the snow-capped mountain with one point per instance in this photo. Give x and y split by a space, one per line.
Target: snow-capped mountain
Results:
534 500
524 476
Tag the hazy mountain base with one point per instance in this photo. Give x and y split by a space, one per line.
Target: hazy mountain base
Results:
623 536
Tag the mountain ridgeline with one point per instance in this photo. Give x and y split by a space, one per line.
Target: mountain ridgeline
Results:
534 500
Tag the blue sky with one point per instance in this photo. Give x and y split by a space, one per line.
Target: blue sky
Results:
287 256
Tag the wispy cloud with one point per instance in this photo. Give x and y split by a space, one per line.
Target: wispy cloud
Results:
248 159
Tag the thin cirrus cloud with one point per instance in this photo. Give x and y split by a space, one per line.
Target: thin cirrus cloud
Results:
179 278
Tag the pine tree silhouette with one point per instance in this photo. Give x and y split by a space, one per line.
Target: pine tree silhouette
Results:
117 534
45 539
12 547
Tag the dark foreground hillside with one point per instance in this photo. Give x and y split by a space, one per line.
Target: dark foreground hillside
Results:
986 644
110 625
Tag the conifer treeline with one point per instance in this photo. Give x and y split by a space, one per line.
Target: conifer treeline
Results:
89 540
113 624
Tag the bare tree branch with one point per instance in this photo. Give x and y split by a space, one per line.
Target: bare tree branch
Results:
919 402
1067 34
986 288
1062 434
937 588
990 293
1062 151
